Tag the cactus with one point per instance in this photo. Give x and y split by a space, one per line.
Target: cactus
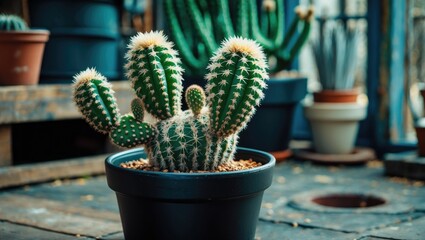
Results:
200 138
195 98
12 23
197 26
335 54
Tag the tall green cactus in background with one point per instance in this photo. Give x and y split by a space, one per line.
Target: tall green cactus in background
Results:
200 138
197 26
12 23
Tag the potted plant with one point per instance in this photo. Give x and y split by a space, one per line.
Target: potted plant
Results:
181 192
335 113
197 27
21 51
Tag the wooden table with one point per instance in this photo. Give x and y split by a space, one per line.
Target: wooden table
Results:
40 103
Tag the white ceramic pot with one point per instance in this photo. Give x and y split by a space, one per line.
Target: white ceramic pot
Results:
334 125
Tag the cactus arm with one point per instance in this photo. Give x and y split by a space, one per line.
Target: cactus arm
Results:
242 20
233 94
94 98
268 23
156 75
284 56
195 98
181 43
251 96
131 133
206 16
220 16
137 109
205 34
226 19
184 21
268 44
292 29
227 150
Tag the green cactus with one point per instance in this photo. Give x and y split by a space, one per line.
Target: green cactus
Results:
137 109
95 100
12 23
195 99
197 139
197 26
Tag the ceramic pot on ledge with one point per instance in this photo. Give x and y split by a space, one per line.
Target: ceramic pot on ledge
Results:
334 119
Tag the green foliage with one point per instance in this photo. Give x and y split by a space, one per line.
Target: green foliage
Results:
12 23
198 26
197 139
335 54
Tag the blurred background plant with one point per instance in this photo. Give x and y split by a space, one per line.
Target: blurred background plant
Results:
198 26
335 54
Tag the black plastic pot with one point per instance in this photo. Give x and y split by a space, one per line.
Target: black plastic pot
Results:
157 205
271 127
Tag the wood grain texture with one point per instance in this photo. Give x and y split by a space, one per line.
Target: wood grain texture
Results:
5 145
57 216
20 232
49 102
39 172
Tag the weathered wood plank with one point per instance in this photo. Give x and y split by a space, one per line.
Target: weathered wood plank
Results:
88 192
49 102
5 145
57 216
39 172
19 232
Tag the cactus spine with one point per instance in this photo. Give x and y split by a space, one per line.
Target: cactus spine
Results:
197 139
12 23
207 23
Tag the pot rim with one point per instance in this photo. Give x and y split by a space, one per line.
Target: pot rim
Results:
335 111
109 162
189 186
27 36
284 90
26 32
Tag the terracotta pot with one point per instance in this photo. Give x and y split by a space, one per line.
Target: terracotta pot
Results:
21 55
336 96
334 126
420 134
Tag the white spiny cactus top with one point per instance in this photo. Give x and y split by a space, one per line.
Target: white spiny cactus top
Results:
152 38
245 46
87 75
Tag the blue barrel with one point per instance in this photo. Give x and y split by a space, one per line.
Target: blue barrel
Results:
84 33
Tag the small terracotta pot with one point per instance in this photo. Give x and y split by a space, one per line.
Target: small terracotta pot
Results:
21 55
420 134
336 96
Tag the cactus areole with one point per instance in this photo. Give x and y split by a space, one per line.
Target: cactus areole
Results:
200 138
